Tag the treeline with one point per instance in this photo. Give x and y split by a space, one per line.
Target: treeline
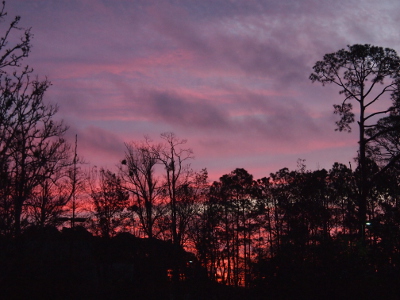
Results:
241 229
291 231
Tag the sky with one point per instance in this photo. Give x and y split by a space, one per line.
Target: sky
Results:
231 77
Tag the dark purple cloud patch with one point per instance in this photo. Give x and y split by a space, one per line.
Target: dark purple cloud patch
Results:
197 113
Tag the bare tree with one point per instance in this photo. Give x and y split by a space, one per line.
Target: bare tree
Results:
56 196
12 53
177 175
36 149
11 56
138 173
190 199
110 201
75 185
47 203
32 147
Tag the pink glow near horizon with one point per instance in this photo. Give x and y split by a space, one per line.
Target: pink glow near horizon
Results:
231 77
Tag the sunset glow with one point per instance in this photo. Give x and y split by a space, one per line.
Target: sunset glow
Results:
229 76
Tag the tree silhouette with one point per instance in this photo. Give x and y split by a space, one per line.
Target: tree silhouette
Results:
177 175
110 201
364 74
138 173
47 203
32 147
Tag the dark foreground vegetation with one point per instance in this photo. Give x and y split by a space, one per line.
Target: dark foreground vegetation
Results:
74 264
156 229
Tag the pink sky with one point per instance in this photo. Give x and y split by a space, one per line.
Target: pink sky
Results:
229 76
